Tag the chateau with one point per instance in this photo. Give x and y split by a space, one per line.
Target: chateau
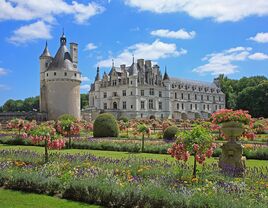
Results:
60 81
140 91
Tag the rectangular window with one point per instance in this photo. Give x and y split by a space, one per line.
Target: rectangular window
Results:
202 97
151 91
191 106
182 96
189 97
160 93
151 104
175 95
214 99
124 105
207 97
208 107
124 93
160 105
178 106
131 106
105 105
105 95
220 98
195 106
216 107
182 106
114 94
114 82
142 92
195 97
142 104
131 93
204 107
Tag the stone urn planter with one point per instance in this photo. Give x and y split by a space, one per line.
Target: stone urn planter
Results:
231 160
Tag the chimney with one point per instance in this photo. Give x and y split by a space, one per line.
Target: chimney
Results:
74 53
148 63
123 66
140 63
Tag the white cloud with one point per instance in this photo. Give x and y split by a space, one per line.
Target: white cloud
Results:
84 79
219 10
90 46
85 87
223 62
3 71
260 38
46 10
154 51
34 31
258 56
4 87
180 34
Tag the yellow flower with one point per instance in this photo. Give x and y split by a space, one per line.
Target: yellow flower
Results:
194 180
140 170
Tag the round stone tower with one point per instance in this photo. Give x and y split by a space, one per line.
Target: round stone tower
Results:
60 82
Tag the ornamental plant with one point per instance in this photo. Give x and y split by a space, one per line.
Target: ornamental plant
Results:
22 126
46 133
68 126
225 115
197 142
143 129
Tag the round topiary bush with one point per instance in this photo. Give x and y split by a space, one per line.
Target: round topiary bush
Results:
170 133
105 125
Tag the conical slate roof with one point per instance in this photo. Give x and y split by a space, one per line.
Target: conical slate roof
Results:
166 77
45 52
62 59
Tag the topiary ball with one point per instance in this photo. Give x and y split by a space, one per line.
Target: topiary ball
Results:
170 133
105 125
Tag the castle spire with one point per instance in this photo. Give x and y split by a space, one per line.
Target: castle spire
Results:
45 52
97 78
166 77
63 38
133 59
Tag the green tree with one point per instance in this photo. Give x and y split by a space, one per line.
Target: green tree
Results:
84 101
254 99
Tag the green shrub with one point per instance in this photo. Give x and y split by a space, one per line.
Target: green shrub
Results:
124 119
170 133
105 125
67 117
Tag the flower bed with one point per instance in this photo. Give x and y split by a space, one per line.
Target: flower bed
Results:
130 182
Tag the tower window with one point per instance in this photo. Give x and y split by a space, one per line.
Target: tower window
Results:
55 73
75 74
65 74
160 105
124 105
151 91
151 104
47 74
142 104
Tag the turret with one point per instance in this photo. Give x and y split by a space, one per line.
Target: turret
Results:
45 59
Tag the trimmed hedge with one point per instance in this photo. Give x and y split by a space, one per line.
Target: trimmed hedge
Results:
170 133
105 125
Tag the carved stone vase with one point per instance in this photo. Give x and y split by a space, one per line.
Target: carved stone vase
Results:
231 160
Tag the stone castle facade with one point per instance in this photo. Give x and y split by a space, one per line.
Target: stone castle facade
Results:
60 81
140 91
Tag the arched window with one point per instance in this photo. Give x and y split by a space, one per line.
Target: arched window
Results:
114 105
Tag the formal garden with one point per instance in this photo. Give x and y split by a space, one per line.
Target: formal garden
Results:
220 162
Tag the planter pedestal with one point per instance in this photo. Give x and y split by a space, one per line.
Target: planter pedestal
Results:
231 160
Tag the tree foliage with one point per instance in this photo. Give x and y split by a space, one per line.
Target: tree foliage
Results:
247 93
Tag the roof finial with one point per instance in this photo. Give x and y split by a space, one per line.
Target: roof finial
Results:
63 31
133 59
113 63
46 43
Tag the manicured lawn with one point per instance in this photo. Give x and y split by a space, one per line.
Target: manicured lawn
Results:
16 199
114 154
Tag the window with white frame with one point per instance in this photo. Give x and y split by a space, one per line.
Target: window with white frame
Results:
151 104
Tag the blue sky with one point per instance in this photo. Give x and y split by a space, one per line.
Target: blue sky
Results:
194 39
